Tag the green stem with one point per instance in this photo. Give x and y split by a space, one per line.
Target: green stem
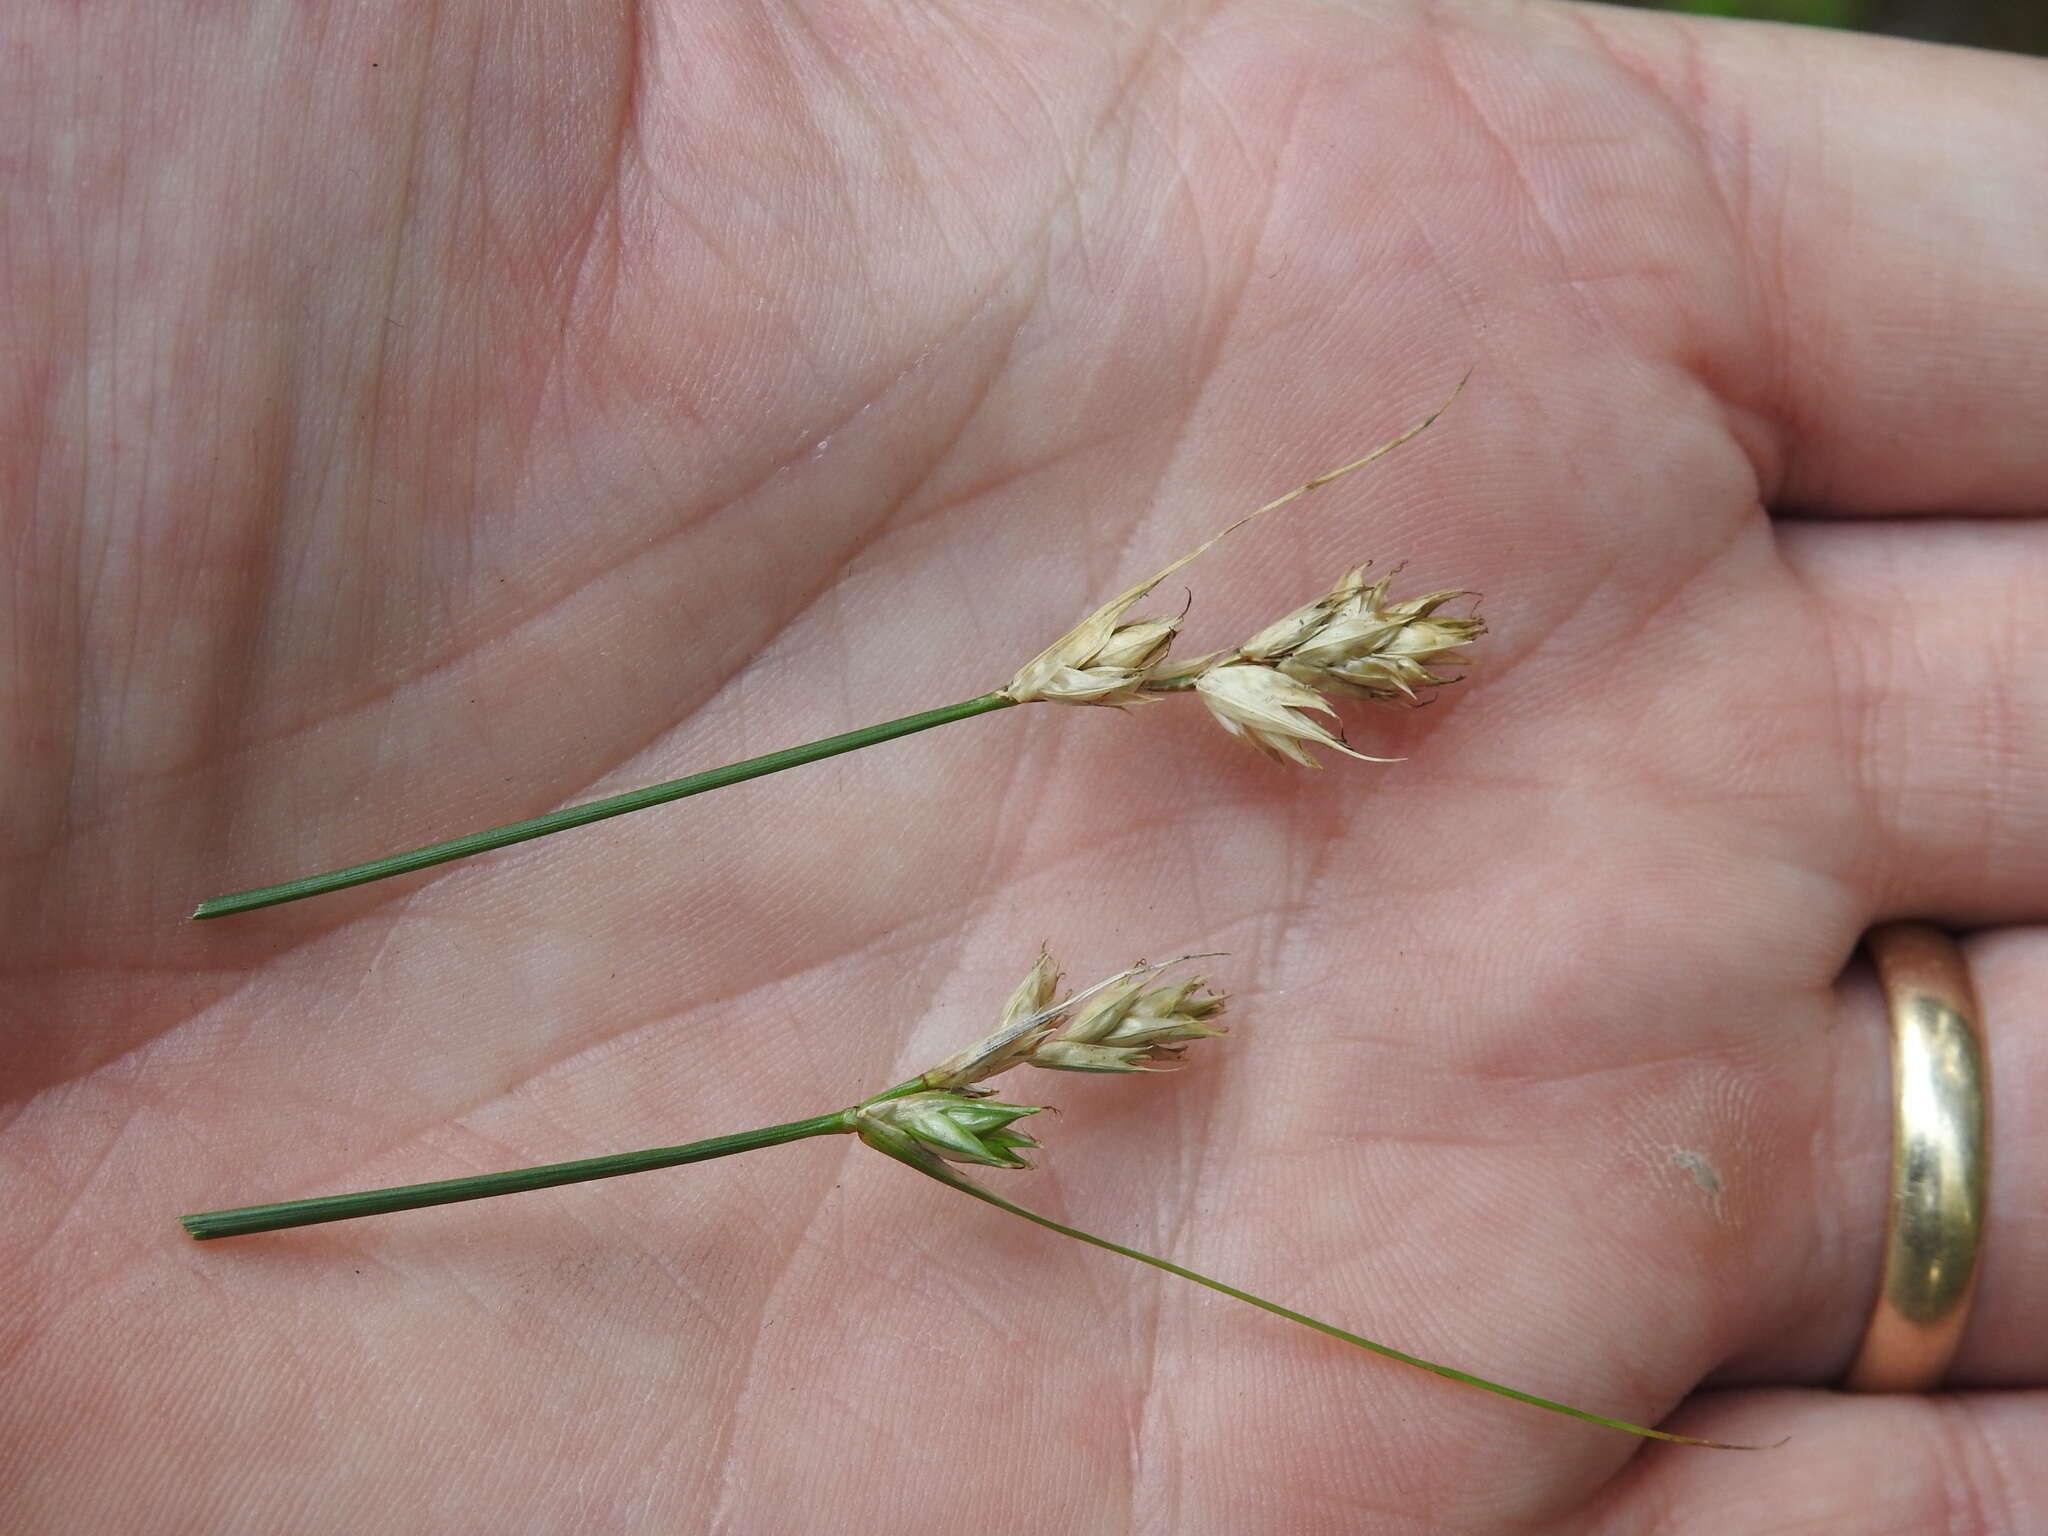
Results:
409 1197
967 1187
481 1186
596 810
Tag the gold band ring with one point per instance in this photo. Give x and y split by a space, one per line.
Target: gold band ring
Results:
1940 1161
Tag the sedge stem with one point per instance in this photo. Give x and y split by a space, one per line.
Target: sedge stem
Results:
482 1186
596 810
968 1187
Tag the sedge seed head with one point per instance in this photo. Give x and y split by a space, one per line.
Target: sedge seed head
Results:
1268 709
1132 1028
1354 641
1029 1015
1121 1024
1100 661
925 1129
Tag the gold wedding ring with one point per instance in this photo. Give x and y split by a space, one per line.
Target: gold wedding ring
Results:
1940 1161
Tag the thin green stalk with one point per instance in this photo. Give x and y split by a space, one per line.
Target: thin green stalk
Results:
968 1187
482 1186
409 1197
596 810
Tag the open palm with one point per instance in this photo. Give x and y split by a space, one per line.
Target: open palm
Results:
421 418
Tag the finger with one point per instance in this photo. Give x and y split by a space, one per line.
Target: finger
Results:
1932 634
1822 1267
1886 196
1874 1465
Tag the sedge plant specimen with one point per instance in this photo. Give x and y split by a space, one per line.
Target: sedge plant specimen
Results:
1355 641
398 450
937 1122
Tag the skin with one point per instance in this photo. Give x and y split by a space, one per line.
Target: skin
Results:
416 419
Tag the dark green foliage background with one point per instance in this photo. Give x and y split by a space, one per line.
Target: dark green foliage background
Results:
2018 26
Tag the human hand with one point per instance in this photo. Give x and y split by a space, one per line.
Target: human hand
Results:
414 427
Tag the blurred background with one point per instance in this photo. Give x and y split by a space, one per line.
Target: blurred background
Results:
2018 26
